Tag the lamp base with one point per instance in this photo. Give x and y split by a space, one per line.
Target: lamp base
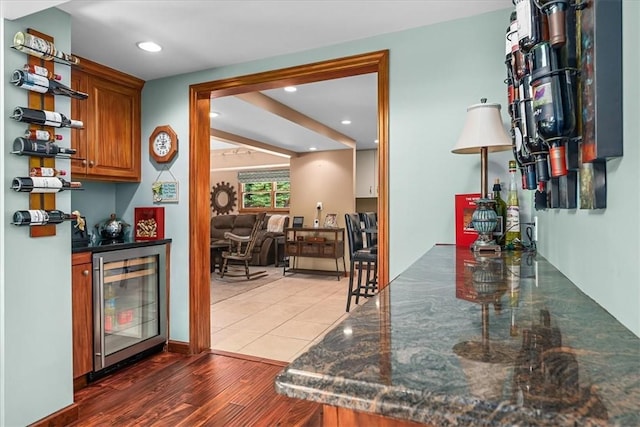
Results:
482 246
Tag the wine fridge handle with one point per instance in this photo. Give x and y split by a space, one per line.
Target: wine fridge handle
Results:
101 310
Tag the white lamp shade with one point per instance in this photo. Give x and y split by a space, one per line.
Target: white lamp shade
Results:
483 128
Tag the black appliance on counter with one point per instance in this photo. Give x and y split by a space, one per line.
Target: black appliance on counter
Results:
80 237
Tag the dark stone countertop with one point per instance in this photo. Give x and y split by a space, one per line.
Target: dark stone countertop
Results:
118 246
445 344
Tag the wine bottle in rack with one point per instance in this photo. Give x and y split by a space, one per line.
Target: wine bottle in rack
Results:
530 31
41 71
43 184
44 118
41 135
43 171
40 217
41 48
31 147
555 11
41 84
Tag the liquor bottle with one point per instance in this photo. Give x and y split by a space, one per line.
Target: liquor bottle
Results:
500 207
530 30
40 217
41 84
43 184
31 147
41 48
513 236
41 71
41 135
44 118
42 171
555 11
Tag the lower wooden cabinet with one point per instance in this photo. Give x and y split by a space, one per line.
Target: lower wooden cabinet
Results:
82 313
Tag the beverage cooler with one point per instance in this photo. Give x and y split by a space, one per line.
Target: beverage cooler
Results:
130 310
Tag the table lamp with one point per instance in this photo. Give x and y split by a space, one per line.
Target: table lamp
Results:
483 132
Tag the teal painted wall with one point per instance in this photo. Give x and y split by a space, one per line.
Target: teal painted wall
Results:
599 250
35 290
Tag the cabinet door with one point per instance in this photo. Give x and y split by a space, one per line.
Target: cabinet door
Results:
366 173
79 136
113 140
82 319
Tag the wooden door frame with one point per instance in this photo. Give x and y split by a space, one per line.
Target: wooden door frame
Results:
199 167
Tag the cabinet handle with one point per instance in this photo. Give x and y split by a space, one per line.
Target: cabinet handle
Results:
85 272
91 163
84 163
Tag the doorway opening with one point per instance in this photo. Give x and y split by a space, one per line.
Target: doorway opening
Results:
199 167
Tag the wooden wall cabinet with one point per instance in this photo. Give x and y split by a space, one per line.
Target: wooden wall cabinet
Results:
82 313
366 173
109 147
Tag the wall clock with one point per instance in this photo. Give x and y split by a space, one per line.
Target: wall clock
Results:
163 144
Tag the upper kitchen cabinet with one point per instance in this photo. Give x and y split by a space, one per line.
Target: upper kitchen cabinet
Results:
109 147
366 173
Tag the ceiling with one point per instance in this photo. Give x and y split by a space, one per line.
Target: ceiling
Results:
201 35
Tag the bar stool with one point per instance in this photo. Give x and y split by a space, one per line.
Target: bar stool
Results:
360 255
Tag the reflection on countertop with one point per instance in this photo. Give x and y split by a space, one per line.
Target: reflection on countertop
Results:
459 339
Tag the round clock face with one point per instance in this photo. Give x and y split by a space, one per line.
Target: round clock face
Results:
162 144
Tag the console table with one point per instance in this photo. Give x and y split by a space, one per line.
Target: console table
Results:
311 242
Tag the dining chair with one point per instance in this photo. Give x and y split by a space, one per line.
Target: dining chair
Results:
366 286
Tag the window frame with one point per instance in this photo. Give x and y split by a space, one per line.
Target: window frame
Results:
273 192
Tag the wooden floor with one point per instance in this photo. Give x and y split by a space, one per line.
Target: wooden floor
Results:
209 389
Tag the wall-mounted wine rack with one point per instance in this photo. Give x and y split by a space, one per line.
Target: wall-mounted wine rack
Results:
43 101
564 72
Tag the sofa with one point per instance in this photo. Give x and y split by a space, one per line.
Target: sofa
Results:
242 224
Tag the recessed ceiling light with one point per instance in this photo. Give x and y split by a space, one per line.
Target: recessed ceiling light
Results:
375 140
346 122
150 46
290 89
312 148
214 114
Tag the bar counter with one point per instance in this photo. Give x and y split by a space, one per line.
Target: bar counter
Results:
461 340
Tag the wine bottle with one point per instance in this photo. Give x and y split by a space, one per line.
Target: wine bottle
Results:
42 171
529 24
43 184
555 11
527 133
513 236
41 48
500 206
40 217
30 147
41 84
41 71
44 118
41 135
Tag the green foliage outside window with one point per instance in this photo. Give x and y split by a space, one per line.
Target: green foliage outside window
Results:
266 195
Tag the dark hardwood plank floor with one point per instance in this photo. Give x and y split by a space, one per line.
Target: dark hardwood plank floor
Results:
210 389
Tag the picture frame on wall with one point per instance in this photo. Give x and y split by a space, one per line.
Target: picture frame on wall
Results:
331 221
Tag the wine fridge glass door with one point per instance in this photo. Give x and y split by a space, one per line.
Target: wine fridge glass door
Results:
129 299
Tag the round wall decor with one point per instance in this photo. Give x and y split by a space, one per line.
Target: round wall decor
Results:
223 198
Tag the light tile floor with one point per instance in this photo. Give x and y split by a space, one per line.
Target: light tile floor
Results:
281 319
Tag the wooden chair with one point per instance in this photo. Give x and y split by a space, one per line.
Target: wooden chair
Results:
241 248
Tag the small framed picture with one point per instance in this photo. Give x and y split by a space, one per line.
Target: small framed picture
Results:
331 221
164 192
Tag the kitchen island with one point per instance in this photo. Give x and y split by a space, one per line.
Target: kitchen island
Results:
463 340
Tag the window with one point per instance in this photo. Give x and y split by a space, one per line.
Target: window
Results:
264 190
